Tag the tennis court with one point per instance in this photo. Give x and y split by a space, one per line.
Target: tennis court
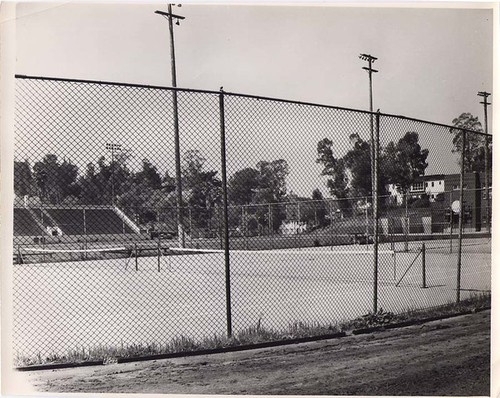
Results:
110 303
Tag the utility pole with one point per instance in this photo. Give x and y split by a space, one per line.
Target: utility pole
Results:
180 225
485 102
371 59
373 155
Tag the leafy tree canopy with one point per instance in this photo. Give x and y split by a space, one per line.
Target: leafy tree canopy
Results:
474 154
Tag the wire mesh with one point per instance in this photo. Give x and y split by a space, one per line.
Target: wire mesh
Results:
99 267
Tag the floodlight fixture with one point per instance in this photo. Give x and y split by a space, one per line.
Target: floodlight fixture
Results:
367 57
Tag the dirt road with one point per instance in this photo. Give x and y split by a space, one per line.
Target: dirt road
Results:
447 357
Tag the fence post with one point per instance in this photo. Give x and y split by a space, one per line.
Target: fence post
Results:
375 211
406 227
451 224
460 215
225 215
486 175
424 284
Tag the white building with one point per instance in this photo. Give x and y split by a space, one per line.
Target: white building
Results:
293 227
431 185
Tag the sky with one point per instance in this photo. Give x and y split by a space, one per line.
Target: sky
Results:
431 62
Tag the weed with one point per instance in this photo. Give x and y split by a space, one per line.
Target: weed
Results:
251 335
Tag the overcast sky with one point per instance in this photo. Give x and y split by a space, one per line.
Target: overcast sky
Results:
432 62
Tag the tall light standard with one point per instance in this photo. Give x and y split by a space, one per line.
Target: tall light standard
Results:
374 164
371 59
485 102
180 224
113 148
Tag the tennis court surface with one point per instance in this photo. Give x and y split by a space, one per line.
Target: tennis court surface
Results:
74 306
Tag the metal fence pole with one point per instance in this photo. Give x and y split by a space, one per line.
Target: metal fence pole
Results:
486 176
460 215
375 212
135 255
406 226
424 282
485 102
225 214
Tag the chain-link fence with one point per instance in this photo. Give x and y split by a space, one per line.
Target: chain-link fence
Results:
285 222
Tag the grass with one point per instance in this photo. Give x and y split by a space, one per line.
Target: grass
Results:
253 335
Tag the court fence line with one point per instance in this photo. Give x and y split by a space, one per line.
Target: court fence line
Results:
103 181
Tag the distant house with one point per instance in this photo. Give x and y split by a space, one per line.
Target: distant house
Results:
444 189
431 185
293 227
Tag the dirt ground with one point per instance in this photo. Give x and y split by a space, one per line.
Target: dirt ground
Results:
447 357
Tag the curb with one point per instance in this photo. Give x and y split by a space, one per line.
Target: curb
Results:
247 347
58 366
236 348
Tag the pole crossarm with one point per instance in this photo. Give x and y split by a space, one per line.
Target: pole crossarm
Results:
169 14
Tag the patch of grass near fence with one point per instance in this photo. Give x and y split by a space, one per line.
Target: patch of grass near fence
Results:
254 335
383 318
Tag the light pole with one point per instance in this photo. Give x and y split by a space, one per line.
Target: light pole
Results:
180 224
371 60
373 156
113 148
485 102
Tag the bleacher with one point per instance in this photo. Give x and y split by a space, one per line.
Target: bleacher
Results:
105 221
70 221
25 224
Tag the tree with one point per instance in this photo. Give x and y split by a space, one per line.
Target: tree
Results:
404 162
272 179
333 167
56 180
90 190
23 179
148 176
242 186
101 181
264 186
319 208
358 162
350 174
474 155
204 186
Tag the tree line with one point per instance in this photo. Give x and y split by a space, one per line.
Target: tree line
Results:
145 192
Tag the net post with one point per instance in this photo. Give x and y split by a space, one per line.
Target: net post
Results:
42 239
424 284
19 255
227 264
159 253
394 263
135 255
